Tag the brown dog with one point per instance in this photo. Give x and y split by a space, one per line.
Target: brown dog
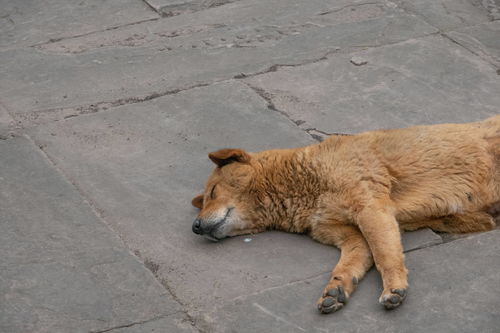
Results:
356 192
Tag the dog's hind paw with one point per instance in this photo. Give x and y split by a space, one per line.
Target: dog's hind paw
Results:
332 300
393 299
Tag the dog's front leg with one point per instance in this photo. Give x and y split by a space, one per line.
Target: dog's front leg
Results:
355 260
381 231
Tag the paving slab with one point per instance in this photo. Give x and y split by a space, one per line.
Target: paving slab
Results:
453 288
26 23
388 91
482 39
143 184
61 269
143 61
451 14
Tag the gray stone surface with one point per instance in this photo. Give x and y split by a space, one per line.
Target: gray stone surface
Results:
176 323
6 123
138 62
419 239
450 14
25 23
143 185
453 288
421 81
177 7
493 7
61 269
481 39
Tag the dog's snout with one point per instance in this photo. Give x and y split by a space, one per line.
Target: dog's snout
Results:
197 226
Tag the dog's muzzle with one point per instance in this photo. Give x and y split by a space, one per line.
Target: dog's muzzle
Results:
210 228
207 229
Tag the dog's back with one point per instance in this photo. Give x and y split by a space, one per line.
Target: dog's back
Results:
434 170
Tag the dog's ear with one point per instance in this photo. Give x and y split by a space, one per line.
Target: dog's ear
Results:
229 155
198 201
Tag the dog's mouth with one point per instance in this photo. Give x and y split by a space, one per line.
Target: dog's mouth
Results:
212 233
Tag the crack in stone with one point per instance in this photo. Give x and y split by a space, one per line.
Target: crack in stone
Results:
69 112
54 40
151 7
37 117
483 55
154 267
268 97
336 10
276 67
133 324
99 213
271 106
327 134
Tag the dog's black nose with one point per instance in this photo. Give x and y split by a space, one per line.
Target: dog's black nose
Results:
197 226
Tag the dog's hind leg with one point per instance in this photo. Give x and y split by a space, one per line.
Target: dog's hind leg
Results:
456 223
355 260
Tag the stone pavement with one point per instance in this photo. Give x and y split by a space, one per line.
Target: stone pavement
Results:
109 108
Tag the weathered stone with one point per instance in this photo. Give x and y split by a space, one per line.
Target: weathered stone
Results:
175 323
176 7
450 14
142 61
25 23
6 123
453 288
493 7
481 39
358 61
422 81
63 270
420 239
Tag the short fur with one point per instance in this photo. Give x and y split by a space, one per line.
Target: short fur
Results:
357 192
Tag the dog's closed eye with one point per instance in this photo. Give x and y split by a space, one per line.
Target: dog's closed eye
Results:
212 193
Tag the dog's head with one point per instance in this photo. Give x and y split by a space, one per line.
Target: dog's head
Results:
227 206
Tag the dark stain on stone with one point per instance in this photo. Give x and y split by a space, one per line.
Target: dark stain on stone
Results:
152 266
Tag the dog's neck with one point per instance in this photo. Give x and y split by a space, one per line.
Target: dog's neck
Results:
288 188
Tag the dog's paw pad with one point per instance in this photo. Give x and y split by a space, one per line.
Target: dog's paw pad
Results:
333 300
393 299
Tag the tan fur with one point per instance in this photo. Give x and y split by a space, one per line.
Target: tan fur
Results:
357 192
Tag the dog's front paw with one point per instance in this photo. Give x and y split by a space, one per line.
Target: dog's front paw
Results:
393 298
332 300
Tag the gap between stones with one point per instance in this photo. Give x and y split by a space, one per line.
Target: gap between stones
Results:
154 268
30 119
485 57
99 213
54 40
482 54
133 324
